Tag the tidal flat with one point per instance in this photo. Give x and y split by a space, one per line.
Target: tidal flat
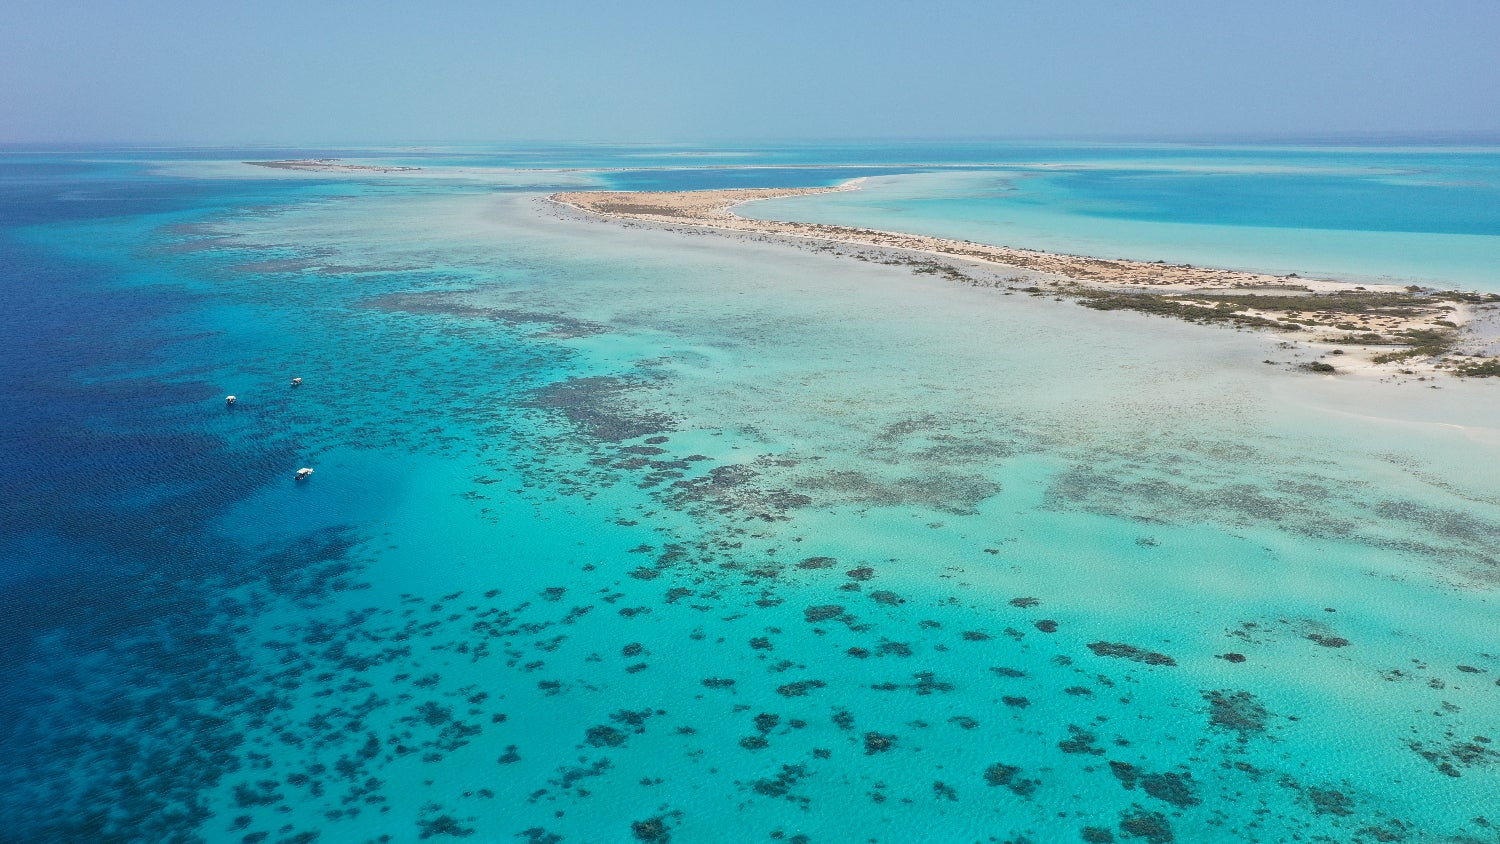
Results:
1430 329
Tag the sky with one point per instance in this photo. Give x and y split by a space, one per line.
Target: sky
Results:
277 72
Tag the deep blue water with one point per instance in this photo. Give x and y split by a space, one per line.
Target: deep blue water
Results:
85 411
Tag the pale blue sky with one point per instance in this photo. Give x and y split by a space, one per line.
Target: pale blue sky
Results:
189 71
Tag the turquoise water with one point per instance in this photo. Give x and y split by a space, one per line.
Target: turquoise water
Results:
622 535
1399 215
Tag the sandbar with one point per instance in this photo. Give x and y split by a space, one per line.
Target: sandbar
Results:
328 165
1364 327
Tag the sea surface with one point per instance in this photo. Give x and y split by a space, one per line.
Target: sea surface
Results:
619 534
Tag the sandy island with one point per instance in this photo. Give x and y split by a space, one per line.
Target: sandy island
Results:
328 165
1381 328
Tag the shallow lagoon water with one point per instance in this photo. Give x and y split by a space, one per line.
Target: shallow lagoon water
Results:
1427 218
622 535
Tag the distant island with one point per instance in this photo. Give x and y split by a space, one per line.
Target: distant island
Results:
328 165
1406 330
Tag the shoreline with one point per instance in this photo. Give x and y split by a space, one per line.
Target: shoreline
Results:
1383 329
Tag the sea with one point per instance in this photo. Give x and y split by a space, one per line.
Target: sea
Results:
621 534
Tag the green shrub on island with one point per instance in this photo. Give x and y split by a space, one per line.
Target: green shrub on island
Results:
1170 306
1488 368
1429 342
1395 357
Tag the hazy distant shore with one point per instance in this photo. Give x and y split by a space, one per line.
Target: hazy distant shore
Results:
1381 328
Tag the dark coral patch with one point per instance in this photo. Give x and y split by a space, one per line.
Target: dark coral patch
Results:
1126 773
1328 801
817 563
799 688
1240 711
1177 789
1080 741
1152 826
878 742
604 736
781 784
1000 774
653 830
1131 652
822 612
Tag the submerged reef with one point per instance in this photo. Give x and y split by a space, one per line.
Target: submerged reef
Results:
614 616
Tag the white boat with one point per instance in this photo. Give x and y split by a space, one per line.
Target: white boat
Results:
303 473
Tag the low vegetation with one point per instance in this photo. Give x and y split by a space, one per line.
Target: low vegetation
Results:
1359 318
1177 307
1482 368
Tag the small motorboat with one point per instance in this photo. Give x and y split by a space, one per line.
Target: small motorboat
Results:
229 401
296 382
304 473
